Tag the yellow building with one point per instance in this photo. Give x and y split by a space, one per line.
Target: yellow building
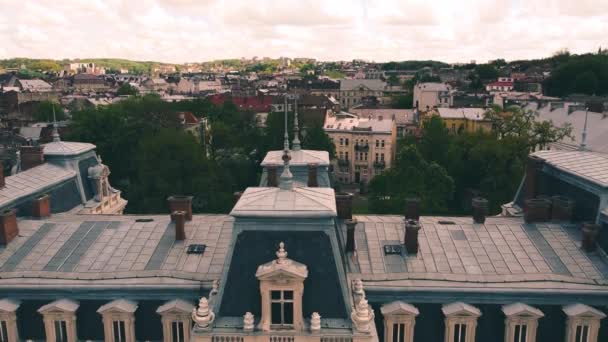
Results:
459 120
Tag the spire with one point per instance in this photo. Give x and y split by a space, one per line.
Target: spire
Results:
584 137
286 181
296 129
56 137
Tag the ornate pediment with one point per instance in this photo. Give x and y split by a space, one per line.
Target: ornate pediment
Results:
282 269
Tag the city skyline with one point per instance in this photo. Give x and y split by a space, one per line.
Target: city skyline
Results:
179 31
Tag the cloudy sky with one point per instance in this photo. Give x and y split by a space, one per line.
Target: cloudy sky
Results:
381 30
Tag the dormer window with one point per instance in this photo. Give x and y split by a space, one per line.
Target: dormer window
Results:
521 322
60 320
460 322
583 323
399 321
281 289
8 320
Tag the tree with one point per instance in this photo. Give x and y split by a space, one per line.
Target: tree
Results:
403 101
586 83
411 175
126 89
316 139
44 112
524 124
435 140
393 80
486 72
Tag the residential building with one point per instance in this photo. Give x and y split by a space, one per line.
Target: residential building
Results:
156 85
502 84
33 86
406 122
89 82
459 120
364 147
432 95
190 123
352 92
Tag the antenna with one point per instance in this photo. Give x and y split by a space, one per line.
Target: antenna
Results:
296 129
584 137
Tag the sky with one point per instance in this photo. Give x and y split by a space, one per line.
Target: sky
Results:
179 31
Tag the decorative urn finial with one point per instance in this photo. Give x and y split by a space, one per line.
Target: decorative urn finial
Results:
281 253
203 317
362 316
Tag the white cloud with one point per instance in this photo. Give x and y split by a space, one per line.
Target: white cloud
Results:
382 30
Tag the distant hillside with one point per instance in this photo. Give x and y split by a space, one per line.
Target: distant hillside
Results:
46 65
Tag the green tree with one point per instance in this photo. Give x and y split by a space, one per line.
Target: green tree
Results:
316 139
45 109
411 175
126 89
403 101
393 80
486 72
435 140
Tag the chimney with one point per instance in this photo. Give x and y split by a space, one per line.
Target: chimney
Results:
350 235
480 209
533 166
590 233
41 206
181 203
312 176
562 208
344 205
272 180
179 220
411 236
2 181
412 208
8 226
31 156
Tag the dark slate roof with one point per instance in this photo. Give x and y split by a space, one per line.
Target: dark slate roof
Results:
312 248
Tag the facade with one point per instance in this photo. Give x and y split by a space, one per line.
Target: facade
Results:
88 82
432 95
406 121
352 92
364 147
502 84
468 120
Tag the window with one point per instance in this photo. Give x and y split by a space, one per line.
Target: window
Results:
399 321
382 157
281 307
460 333
365 156
376 156
521 322
398 332
346 155
382 144
583 323
3 331
346 141
177 331
377 143
341 155
341 141
521 333
118 331
61 331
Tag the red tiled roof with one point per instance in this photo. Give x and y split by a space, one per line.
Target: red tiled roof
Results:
257 104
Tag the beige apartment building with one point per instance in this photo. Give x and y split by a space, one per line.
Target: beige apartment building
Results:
432 95
364 147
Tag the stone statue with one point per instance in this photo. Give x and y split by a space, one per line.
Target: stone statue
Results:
315 322
248 320
358 292
203 317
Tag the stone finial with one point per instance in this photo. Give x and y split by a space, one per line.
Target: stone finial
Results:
281 253
315 322
358 291
203 317
248 320
215 287
362 316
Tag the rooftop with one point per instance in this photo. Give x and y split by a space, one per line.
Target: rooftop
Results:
462 113
300 202
335 123
66 148
298 158
588 165
373 84
504 253
433 86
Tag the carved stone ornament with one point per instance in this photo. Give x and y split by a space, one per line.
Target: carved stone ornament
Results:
203 317
248 320
362 316
315 322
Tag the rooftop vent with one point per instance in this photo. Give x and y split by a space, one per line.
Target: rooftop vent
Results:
393 249
144 220
196 249
446 222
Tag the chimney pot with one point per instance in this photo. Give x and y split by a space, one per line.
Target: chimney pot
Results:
272 176
590 233
178 218
41 206
562 208
480 209
344 205
2 180
411 236
350 235
312 176
8 226
537 209
412 208
31 156
181 203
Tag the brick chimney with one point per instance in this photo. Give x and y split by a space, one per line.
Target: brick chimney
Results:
181 203
41 206
344 205
411 236
350 236
480 209
273 180
8 226
2 181
589 240
312 176
179 220
31 156
533 166
412 208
